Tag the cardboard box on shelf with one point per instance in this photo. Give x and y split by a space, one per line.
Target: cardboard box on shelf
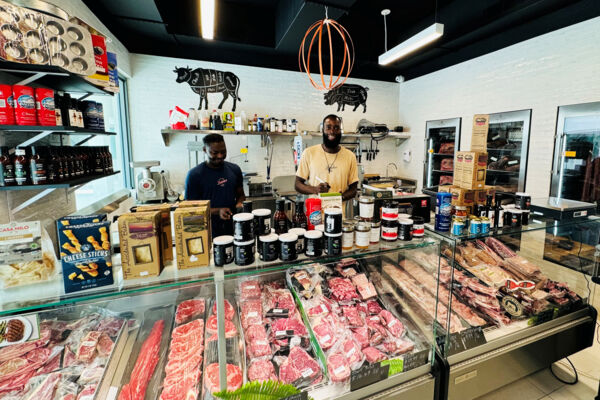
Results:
481 124
139 234
458 167
473 169
192 236
193 203
166 237
481 194
462 197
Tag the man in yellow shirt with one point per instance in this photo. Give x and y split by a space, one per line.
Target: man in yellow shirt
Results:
328 167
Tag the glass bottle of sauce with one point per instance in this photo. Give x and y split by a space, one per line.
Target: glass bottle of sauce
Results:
7 169
21 166
280 219
299 219
37 163
51 165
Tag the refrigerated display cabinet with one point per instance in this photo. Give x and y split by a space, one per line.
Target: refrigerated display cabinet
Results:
576 169
442 140
511 309
179 334
508 147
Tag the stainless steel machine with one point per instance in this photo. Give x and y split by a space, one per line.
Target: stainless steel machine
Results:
149 184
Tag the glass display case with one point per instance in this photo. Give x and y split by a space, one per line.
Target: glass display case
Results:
442 140
508 147
333 327
577 153
511 308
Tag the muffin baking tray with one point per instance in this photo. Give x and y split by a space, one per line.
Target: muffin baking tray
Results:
22 36
70 46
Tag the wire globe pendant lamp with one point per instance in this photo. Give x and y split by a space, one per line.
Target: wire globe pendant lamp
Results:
332 29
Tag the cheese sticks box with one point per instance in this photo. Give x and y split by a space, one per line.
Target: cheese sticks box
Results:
166 237
192 236
85 255
79 219
139 235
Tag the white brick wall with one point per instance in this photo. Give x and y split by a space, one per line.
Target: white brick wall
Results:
281 94
559 68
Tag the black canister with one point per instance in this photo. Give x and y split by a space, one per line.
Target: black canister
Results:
247 206
287 247
243 227
525 217
314 243
389 229
333 245
507 216
262 221
301 244
405 228
522 200
244 252
223 250
333 220
418 226
268 247
515 218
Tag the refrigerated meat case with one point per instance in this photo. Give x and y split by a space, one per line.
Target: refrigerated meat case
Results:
512 310
158 329
508 147
442 140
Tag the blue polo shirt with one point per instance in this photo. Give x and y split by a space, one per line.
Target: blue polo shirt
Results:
217 185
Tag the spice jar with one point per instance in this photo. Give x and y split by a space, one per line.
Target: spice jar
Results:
348 235
223 250
375 232
287 250
333 220
366 207
300 245
363 235
314 243
268 247
333 244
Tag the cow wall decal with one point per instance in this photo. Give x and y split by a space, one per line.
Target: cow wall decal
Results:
204 81
352 95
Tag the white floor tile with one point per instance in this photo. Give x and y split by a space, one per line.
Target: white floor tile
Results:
585 389
544 381
519 390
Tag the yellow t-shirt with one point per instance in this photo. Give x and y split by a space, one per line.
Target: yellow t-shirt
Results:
315 162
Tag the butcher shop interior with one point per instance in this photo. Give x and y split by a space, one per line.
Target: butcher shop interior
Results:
307 199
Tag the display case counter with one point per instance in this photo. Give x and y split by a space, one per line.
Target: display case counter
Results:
512 310
345 331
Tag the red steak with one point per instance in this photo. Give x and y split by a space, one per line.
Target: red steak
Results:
188 309
229 310
338 367
211 377
261 370
249 290
230 329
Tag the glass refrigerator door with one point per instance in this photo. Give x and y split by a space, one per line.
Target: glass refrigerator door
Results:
508 146
576 170
442 139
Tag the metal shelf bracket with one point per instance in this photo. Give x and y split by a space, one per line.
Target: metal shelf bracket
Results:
34 139
31 78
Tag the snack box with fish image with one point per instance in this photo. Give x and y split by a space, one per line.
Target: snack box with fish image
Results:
192 236
139 234
85 255
166 238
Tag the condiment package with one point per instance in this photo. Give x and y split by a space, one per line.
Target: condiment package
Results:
139 234
70 46
22 35
26 254
473 166
192 236
481 124
166 237
85 254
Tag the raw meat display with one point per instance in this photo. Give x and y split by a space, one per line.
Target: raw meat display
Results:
446 180
373 355
261 370
446 148
338 367
144 366
251 313
299 365
188 309
342 289
364 287
447 164
38 369
250 290
230 329
229 310
211 377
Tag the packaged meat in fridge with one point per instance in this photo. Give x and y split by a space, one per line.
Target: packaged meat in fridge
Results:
373 355
281 299
189 309
353 318
250 290
324 332
229 310
352 351
338 367
361 335
211 377
251 313
261 370
286 327
373 307
342 289
394 346
300 369
211 327
393 325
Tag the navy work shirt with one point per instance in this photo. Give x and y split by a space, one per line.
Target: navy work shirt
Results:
218 185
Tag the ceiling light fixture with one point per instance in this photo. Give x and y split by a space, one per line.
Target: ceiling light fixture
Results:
415 42
207 18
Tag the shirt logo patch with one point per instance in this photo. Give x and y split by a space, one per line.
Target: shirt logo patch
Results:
221 182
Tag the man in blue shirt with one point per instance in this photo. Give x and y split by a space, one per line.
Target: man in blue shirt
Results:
220 182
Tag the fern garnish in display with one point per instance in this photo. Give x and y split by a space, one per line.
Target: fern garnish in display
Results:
267 390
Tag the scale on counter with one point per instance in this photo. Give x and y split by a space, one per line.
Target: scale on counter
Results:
561 209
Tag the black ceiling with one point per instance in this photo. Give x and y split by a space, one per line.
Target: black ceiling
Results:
267 33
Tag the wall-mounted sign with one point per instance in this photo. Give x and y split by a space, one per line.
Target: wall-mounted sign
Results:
347 94
204 81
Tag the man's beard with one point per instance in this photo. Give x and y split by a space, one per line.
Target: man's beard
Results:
331 144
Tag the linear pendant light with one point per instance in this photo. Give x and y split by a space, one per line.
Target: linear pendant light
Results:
417 41
207 18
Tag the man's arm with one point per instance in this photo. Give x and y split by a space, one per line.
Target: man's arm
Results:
240 196
302 187
350 193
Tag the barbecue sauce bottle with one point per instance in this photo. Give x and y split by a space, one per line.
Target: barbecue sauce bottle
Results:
280 220
299 219
7 169
37 163
21 167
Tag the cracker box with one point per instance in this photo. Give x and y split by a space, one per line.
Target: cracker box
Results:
194 203
458 167
85 255
473 170
481 124
462 197
166 237
192 236
139 234
79 219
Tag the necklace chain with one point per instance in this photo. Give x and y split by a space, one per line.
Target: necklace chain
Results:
330 166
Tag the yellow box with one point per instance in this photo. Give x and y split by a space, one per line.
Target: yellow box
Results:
481 125
139 236
473 169
192 236
194 203
462 197
166 238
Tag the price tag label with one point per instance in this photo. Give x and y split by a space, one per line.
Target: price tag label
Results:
570 154
414 360
473 337
297 396
455 344
368 375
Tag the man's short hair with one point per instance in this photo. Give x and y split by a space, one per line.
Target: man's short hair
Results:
330 116
212 138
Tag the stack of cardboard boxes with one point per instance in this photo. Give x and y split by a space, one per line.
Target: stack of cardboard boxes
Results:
468 188
147 241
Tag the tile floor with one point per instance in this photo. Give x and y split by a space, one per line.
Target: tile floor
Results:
543 386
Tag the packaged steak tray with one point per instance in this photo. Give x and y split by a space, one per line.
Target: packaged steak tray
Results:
348 319
277 342
66 354
234 350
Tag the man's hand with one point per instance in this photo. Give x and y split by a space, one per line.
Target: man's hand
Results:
322 188
225 213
